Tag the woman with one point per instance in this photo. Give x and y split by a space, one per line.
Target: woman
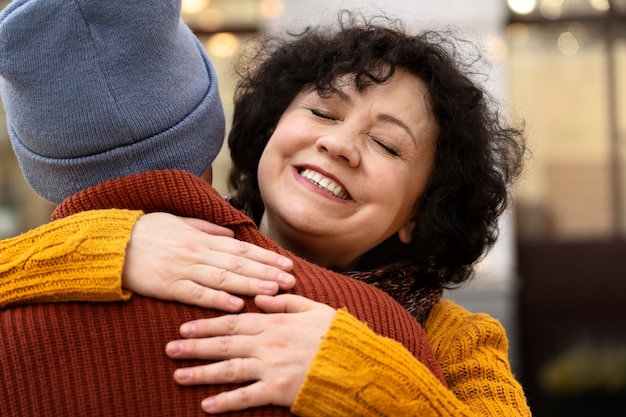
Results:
445 152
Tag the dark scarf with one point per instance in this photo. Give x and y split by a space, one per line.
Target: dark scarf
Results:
399 281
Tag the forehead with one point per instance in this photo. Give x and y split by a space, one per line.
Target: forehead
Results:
401 82
404 94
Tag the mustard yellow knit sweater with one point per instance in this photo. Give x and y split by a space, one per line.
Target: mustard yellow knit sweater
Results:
355 372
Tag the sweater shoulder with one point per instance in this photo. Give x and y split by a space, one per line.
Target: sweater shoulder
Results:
449 323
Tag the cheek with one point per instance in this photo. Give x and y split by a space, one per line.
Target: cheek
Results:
279 145
273 160
406 190
293 132
263 170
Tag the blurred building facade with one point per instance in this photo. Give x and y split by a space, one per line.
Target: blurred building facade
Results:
566 70
557 276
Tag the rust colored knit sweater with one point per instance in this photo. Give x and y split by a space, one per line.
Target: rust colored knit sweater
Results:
110 356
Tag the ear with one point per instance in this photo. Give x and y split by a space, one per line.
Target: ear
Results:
405 234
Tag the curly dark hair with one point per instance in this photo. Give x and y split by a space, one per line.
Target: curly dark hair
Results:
478 155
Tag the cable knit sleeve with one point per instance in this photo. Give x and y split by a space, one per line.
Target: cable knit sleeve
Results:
472 350
357 372
78 258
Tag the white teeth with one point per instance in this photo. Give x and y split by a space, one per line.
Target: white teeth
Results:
325 183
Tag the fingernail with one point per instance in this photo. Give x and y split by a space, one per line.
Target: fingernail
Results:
268 285
235 302
173 347
285 278
284 262
208 404
182 374
188 329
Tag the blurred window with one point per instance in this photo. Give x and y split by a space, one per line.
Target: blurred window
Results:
223 26
567 80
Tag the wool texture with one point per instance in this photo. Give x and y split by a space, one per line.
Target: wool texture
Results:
97 89
33 275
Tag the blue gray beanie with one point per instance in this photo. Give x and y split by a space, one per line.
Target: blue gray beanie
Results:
96 89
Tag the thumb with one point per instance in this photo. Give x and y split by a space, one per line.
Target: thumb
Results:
284 303
208 227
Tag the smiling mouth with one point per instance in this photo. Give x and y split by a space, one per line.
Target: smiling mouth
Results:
324 183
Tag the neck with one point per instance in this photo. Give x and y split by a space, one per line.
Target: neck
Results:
318 250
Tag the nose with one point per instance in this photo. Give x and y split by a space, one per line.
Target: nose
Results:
340 144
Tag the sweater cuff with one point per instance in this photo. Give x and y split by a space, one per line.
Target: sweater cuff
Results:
357 372
78 258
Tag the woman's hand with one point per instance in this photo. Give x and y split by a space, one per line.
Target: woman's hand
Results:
275 350
197 262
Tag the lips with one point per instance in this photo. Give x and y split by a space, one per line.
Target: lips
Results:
324 183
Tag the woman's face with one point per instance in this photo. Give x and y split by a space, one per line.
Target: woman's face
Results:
341 174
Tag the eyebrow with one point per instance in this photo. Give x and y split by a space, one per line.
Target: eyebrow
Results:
383 117
390 119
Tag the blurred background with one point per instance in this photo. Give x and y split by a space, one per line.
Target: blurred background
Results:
557 277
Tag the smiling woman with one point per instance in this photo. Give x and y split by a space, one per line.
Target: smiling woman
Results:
422 161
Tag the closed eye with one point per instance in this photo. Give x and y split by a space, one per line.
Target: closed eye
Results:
321 114
389 149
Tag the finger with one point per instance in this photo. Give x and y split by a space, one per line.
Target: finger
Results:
249 251
189 292
228 324
226 266
253 395
213 348
284 303
232 371
214 272
208 227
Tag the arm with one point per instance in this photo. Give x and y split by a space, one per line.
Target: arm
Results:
354 371
473 352
84 257
346 368
471 349
76 258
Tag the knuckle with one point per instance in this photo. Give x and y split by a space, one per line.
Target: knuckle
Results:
229 373
231 323
268 272
189 245
188 346
236 263
244 396
221 277
196 293
280 320
242 247
283 384
223 345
